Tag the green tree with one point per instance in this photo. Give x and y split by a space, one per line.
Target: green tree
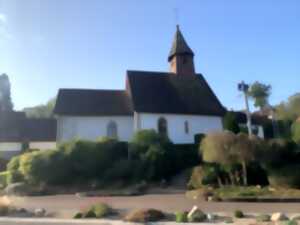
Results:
230 123
260 93
218 148
244 150
41 111
296 132
5 94
289 110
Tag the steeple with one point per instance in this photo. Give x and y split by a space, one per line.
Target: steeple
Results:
181 56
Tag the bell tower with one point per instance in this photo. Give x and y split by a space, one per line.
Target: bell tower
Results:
181 56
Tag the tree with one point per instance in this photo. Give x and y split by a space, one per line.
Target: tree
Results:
296 132
228 149
260 93
230 123
5 94
218 148
244 150
289 110
41 111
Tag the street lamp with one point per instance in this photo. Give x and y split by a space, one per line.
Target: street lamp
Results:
243 87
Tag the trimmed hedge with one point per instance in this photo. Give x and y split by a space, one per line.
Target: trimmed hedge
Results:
105 160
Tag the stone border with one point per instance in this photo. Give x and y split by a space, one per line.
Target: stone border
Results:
271 200
39 221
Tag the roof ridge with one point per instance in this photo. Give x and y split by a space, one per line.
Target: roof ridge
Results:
90 89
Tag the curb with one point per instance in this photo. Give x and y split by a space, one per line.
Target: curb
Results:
82 221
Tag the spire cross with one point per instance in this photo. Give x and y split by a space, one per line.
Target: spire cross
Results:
176 16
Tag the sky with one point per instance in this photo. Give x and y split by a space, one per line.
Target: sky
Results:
50 44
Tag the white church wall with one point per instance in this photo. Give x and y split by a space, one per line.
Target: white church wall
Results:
42 145
92 127
176 128
10 149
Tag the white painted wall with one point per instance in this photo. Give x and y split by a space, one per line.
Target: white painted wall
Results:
10 146
10 149
42 145
176 131
92 127
260 128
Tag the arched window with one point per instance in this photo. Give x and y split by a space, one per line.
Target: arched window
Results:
162 126
112 129
186 127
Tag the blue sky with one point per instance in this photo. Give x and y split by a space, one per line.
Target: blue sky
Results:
50 44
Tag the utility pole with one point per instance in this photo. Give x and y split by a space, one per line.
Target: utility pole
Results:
243 87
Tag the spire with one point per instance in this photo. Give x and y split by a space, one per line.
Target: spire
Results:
181 57
179 46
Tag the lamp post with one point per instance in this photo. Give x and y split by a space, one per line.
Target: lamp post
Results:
243 87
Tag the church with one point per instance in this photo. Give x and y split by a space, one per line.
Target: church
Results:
178 103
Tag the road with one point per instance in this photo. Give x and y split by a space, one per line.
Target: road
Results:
64 206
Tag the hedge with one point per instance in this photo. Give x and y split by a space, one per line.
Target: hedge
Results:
105 161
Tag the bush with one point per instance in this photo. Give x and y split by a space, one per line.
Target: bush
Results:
145 215
154 151
89 214
3 178
124 170
296 132
263 218
198 138
257 175
238 214
197 217
181 217
77 159
183 156
288 176
14 175
204 175
78 215
4 209
101 210
230 123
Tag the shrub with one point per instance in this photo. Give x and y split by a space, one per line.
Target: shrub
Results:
288 176
14 175
89 214
208 174
228 220
3 164
78 215
145 138
263 218
257 175
230 123
181 217
145 215
292 222
198 138
296 132
3 178
238 214
154 150
4 209
183 156
127 171
101 210
197 217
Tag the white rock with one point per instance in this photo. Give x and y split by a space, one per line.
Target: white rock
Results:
40 212
193 210
278 217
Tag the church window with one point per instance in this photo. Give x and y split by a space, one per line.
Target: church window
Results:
112 129
186 127
162 126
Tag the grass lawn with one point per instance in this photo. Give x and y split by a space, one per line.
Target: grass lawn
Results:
251 192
